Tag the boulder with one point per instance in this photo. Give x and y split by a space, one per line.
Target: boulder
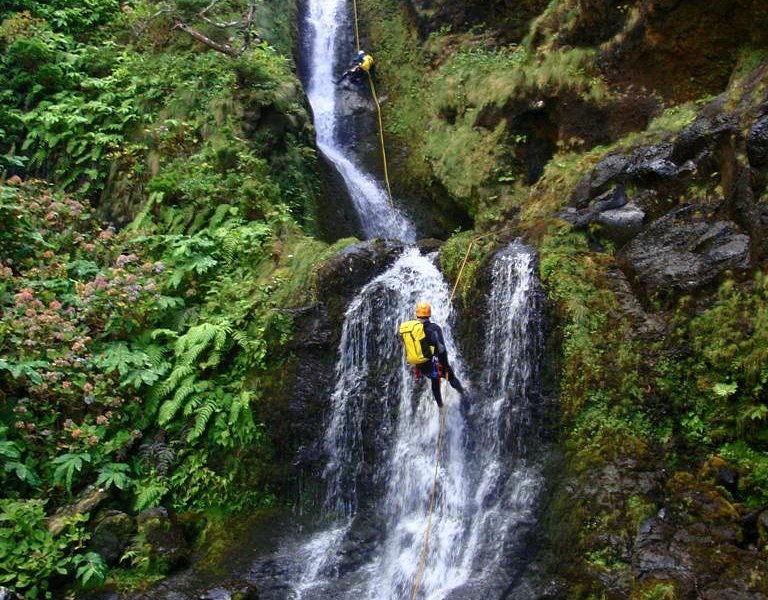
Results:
345 273
164 535
650 165
757 143
599 179
684 251
621 224
111 536
700 138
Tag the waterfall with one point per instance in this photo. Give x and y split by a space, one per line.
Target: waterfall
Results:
379 218
383 424
489 475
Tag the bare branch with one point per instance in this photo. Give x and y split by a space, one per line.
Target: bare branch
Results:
200 37
245 24
201 14
144 23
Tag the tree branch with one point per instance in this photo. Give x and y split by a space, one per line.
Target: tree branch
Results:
200 37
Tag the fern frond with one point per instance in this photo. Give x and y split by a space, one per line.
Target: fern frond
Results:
192 344
180 373
149 494
203 416
170 408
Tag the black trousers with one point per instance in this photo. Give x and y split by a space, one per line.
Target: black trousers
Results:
436 382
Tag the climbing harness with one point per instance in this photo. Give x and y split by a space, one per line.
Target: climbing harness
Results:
378 109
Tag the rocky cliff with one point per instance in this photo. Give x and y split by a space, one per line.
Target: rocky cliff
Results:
629 143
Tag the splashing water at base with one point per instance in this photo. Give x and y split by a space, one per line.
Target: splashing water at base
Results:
486 487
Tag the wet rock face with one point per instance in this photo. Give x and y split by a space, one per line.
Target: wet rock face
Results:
296 420
344 274
696 541
684 251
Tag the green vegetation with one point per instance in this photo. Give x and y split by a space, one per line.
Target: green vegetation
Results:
134 359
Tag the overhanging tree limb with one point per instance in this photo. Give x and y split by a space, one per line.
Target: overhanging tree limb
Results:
200 37
244 23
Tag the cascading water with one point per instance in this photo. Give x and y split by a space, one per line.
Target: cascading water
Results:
383 424
380 471
489 477
377 216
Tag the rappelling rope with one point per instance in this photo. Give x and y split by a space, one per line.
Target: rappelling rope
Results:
438 452
381 136
357 29
440 437
378 109
432 498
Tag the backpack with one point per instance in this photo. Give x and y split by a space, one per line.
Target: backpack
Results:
413 335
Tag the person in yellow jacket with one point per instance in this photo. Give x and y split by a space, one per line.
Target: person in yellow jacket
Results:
362 63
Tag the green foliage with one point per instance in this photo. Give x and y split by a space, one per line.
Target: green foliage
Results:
66 466
718 386
90 567
461 253
30 554
159 333
114 474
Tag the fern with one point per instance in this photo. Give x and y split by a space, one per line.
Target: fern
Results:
204 415
170 408
159 455
150 493
198 339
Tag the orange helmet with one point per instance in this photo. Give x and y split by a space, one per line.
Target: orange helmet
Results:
423 310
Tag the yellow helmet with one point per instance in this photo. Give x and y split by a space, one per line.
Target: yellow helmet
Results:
423 310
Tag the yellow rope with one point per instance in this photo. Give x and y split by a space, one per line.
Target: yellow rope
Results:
357 30
461 270
378 108
433 496
381 137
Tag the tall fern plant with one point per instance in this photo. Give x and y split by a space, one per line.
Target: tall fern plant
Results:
197 397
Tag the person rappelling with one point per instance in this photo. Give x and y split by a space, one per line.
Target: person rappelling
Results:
362 63
425 350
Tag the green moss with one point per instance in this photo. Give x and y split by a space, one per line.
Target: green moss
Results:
656 590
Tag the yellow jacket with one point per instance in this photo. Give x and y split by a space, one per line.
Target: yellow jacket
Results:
367 63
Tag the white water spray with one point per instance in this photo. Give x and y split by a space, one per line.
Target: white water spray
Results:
383 425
